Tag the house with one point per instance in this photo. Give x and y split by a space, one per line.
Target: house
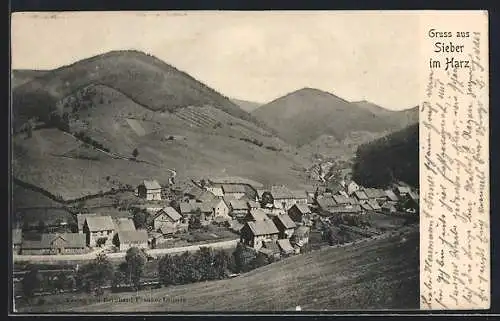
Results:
216 190
17 239
375 194
254 233
150 190
360 195
401 191
198 194
259 194
221 209
351 187
187 209
285 247
410 202
99 230
345 209
391 196
354 201
253 205
131 238
239 208
124 224
300 196
366 207
53 243
168 216
300 214
80 220
341 200
256 215
389 207
270 249
285 225
235 225
301 236
282 197
374 204
235 191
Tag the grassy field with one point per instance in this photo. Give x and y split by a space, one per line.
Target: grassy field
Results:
376 274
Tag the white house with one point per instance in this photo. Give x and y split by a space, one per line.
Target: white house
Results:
150 190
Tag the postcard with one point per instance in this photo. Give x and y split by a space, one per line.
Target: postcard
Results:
239 161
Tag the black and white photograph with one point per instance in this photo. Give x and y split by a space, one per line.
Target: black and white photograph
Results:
215 161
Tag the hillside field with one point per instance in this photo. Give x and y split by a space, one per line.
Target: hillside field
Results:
374 274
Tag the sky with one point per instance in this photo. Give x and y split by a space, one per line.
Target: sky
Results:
255 56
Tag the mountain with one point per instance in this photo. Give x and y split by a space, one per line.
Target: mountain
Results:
248 106
389 159
22 76
85 147
145 79
403 118
302 116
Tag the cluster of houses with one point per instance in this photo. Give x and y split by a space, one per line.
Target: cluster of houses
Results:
348 197
274 221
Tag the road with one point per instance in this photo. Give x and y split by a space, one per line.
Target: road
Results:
92 255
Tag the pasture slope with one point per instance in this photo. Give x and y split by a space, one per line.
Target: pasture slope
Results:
375 274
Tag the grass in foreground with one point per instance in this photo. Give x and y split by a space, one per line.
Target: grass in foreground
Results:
381 274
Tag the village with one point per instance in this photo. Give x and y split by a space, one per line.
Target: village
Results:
274 221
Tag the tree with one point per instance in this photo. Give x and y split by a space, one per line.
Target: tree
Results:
41 226
135 153
140 218
61 281
94 275
136 259
31 282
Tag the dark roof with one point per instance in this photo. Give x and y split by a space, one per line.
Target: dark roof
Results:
388 205
17 236
45 241
137 236
186 207
285 220
304 209
281 192
151 184
233 188
262 227
325 202
100 223
335 187
124 224
171 212
285 246
80 218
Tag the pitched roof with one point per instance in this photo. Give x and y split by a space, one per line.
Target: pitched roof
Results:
186 208
17 236
281 192
233 188
44 241
285 220
235 225
258 215
304 209
345 209
167 229
238 205
80 218
340 199
285 246
151 184
326 202
208 206
137 236
403 189
262 227
124 224
414 196
335 187
299 194
374 193
374 204
170 212
360 195
366 207
388 205
353 200
100 223
260 192
391 195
